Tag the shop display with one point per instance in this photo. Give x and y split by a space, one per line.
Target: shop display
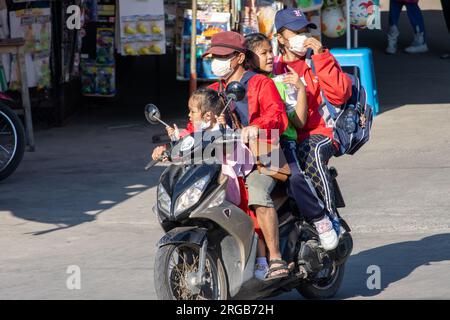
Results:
105 46
88 79
207 24
97 61
98 76
142 27
89 11
266 20
334 23
5 59
309 5
365 14
34 25
105 81
249 18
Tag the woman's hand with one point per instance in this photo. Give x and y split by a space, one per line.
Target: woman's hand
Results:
293 78
158 152
314 44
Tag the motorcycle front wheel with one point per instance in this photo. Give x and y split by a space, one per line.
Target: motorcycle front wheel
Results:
175 265
12 141
325 287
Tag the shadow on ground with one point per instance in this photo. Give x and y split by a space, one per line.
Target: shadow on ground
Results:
78 172
396 261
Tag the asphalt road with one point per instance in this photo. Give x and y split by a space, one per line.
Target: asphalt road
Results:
83 199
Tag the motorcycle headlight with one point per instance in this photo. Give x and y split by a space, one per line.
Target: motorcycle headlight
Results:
164 199
191 196
218 200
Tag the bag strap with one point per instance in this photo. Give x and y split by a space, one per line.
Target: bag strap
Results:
325 101
246 78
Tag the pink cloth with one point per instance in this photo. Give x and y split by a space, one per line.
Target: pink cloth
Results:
239 164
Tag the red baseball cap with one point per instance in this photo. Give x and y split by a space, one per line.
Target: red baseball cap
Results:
225 43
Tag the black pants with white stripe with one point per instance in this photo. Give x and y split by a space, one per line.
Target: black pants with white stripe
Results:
314 154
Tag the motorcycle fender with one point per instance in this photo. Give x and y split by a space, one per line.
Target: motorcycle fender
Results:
233 264
235 222
178 235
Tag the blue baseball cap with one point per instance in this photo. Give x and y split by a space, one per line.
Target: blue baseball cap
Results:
292 19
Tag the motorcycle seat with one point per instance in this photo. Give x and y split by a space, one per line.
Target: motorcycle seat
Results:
279 195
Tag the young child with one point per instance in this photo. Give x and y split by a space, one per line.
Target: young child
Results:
293 92
415 18
205 106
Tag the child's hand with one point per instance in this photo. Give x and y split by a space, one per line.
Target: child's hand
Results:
293 78
221 120
173 133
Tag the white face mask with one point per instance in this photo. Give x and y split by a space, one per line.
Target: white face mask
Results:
205 125
221 67
296 43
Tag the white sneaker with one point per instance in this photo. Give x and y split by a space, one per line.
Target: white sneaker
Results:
261 271
418 45
327 235
392 36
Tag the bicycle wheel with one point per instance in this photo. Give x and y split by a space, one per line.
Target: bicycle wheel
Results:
12 141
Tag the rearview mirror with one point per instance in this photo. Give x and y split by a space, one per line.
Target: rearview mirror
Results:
152 114
235 90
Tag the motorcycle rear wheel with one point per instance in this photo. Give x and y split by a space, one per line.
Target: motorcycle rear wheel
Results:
173 263
12 141
324 288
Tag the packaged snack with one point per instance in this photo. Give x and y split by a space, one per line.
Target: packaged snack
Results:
105 81
88 78
266 20
105 46
42 69
129 25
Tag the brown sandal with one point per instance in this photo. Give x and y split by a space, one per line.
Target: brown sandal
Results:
282 265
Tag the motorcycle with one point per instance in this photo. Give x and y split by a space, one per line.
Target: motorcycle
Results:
209 247
12 138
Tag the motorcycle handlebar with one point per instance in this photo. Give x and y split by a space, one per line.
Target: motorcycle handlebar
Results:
153 162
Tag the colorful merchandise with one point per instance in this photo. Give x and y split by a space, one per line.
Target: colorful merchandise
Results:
105 46
365 14
266 20
334 23
207 24
105 84
309 5
34 25
142 27
88 79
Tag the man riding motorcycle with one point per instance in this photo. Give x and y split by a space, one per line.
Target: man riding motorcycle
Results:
265 111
